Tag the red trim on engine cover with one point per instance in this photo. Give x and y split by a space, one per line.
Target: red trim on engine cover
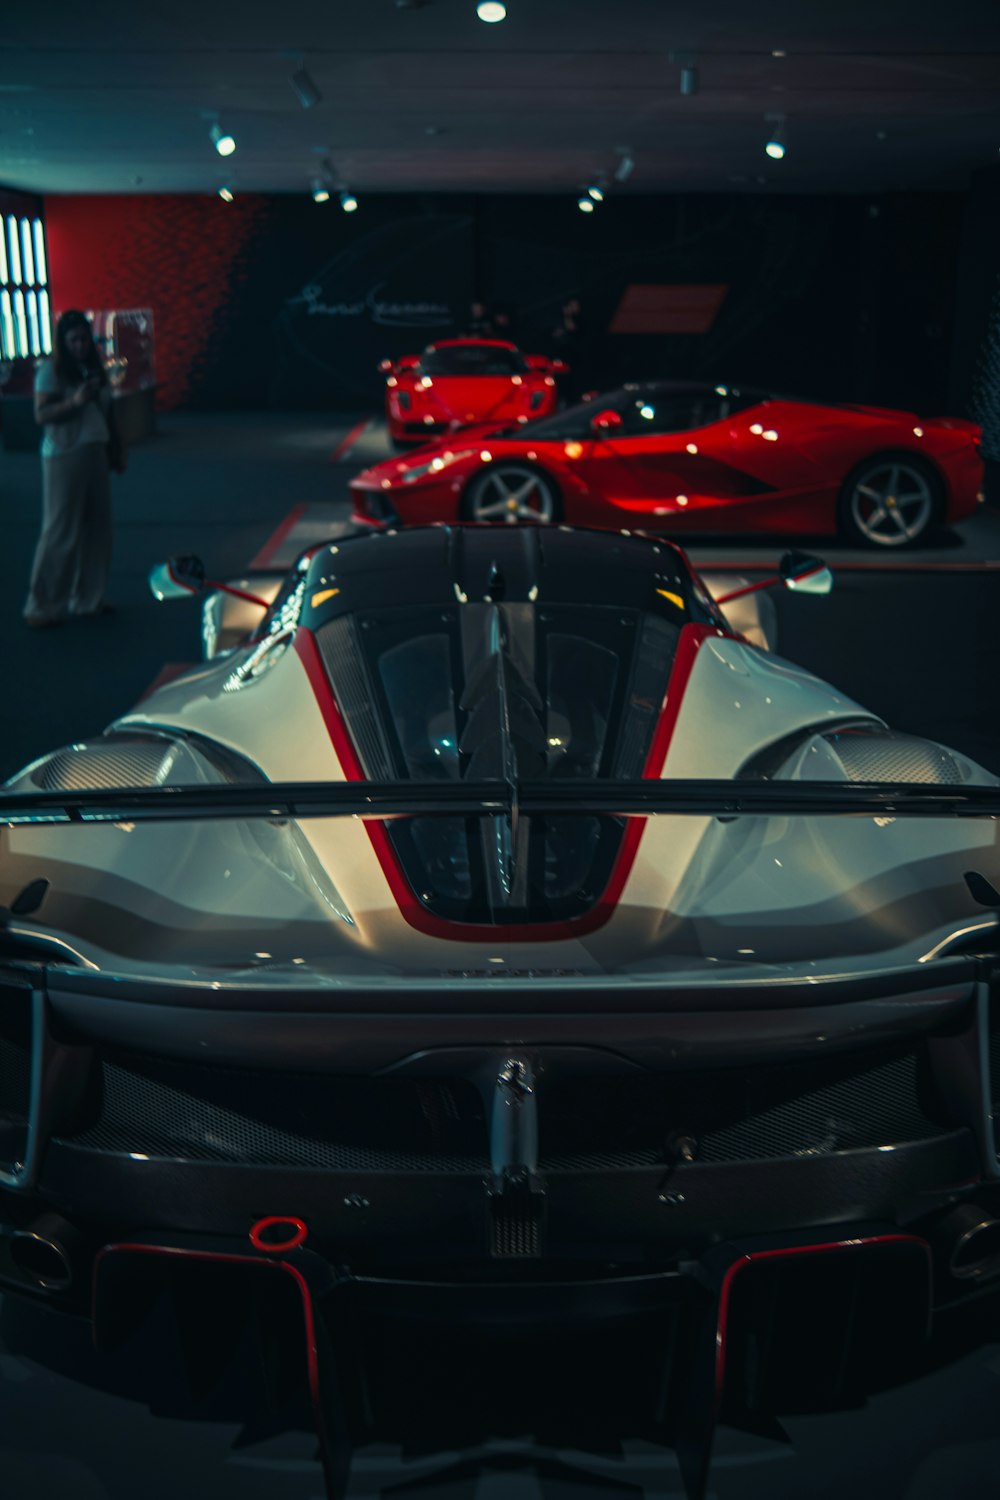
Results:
691 639
309 1319
786 1251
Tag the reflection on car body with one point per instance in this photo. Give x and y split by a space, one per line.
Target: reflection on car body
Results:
730 1076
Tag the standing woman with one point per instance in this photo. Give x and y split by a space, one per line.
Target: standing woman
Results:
80 445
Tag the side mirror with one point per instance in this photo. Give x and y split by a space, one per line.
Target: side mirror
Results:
796 570
558 367
386 366
180 577
805 574
605 421
177 578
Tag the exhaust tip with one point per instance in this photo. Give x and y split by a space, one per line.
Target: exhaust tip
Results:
968 1243
43 1260
976 1252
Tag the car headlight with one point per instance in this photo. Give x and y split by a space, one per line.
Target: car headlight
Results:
434 465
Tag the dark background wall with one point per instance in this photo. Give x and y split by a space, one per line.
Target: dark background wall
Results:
279 302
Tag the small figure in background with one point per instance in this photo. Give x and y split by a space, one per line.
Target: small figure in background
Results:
479 325
568 341
504 322
80 446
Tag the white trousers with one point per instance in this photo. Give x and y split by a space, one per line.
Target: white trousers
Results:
73 556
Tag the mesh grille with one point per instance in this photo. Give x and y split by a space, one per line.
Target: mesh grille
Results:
795 1110
879 1107
342 659
516 1223
15 1078
15 1073
307 1120
995 1073
894 757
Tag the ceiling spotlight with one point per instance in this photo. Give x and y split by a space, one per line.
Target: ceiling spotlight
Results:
320 191
348 202
597 193
491 10
585 204
226 194
306 91
775 145
224 143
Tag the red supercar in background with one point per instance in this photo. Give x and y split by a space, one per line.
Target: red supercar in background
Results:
457 382
686 458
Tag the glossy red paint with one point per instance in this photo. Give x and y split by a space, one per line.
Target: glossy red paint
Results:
423 400
785 1252
772 465
418 917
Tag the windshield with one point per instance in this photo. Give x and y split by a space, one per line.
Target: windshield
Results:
645 412
472 359
487 692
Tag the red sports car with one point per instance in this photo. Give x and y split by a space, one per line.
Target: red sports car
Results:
693 458
456 382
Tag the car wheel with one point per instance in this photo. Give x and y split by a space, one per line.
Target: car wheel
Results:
890 500
511 492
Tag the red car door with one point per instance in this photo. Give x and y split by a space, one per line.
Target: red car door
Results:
650 463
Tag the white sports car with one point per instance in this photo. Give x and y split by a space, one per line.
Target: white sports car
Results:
492 926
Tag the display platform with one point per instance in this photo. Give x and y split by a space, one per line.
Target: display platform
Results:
912 636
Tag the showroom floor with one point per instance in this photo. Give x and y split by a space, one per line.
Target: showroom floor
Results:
915 638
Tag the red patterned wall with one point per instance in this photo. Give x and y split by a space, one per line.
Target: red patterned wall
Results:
181 255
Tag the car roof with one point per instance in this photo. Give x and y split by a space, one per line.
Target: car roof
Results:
432 566
470 343
675 387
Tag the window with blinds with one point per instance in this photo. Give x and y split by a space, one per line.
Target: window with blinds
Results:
25 319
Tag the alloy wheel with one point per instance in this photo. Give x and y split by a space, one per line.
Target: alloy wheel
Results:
510 492
892 503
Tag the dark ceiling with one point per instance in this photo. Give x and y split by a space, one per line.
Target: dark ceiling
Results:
878 95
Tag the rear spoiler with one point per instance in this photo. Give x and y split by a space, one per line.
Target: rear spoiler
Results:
619 799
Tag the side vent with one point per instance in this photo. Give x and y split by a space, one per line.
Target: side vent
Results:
994 1067
15 1074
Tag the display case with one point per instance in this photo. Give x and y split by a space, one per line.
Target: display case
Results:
125 338
126 342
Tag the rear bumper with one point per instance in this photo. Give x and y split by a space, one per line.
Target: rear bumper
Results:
738 1259
389 1122
756 1329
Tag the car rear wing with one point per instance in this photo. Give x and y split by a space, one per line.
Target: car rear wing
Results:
393 799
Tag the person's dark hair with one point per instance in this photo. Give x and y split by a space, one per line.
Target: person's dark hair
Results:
68 368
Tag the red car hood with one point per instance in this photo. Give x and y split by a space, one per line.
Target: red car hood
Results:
482 398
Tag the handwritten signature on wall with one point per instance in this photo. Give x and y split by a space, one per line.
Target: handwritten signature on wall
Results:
382 312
